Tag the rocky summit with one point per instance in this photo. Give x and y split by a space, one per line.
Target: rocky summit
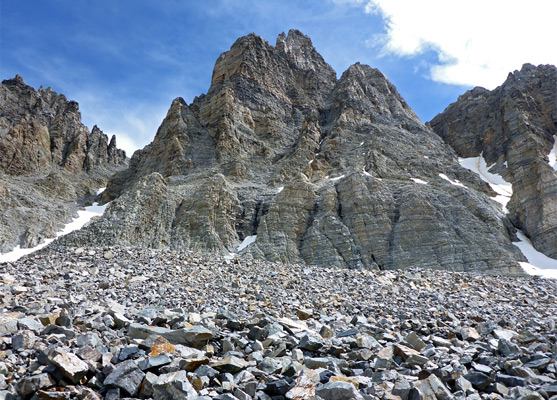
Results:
50 164
282 161
113 322
514 128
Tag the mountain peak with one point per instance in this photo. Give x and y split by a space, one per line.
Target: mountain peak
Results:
298 49
17 80
321 171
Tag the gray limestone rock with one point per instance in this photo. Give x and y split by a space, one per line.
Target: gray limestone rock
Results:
173 386
514 128
127 376
71 366
32 384
338 391
50 164
305 168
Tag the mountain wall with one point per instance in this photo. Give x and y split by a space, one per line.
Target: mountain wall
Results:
514 128
50 164
313 169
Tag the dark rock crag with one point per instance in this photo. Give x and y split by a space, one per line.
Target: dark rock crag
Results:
323 171
515 128
50 163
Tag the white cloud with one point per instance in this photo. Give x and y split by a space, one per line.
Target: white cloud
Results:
478 42
134 126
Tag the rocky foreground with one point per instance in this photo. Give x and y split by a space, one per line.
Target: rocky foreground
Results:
91 323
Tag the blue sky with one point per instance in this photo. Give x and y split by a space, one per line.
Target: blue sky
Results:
124 61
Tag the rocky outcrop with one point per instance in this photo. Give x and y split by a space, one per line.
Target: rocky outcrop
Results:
50 164
514 127
325 171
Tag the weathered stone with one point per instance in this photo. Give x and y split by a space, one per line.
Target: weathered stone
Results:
192 335
192 364
505 334
311 342
230 364
511 381
29 385
279 387
468 333
478 379
414 341
127 376
338 391
354 381
71 366
173 386
404 351
31 324
304 313
23 340
402 389
326 332
153 362
522 393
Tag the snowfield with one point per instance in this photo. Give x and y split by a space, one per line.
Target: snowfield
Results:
83 217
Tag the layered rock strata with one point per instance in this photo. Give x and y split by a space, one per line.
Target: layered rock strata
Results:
50 163
514 127
325 171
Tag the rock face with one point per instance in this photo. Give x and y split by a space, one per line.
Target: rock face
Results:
514 127
49 162
320 170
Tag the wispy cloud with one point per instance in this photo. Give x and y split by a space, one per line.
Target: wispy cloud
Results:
477 42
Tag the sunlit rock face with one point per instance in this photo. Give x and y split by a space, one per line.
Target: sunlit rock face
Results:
50 163
321 170
515 128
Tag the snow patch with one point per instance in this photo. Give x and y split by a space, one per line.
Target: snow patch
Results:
247 241
366 173
538 263
280 189
553 154
418 180
456 183
503 188
337 178
83 217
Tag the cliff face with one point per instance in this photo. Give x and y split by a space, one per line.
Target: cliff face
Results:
325 171
514 127
49 162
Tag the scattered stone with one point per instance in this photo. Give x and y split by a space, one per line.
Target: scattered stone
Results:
71 366
304 313
231 364
29 385
173 385
338 391
377 355
127 376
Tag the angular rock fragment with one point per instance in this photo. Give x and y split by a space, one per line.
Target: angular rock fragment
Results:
71 366
127 376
